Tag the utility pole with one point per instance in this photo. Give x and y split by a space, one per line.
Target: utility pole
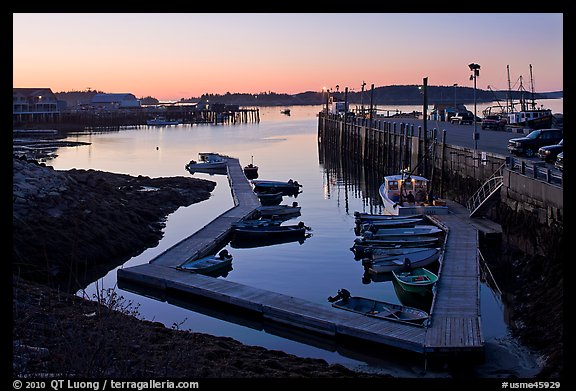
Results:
425 123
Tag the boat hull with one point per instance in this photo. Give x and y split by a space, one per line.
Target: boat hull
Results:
383 310
421 230
206 265
395 209
386 264
419 280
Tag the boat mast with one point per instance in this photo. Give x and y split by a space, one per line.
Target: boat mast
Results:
522 100
509 101
532 89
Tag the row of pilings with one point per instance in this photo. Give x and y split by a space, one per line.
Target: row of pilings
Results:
137 117
389 147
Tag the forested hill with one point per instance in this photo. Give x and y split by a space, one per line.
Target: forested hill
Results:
399 95
389 95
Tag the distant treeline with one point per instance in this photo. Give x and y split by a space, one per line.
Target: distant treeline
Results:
388 95
396 95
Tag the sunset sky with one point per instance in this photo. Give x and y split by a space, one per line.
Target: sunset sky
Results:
171 56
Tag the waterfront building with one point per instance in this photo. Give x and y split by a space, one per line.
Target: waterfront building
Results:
115 101
33 105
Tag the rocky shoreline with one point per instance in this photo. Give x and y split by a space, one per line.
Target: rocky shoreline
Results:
71 227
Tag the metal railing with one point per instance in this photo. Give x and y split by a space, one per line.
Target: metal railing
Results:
486 191
536 170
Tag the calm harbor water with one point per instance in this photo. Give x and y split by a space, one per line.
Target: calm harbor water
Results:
283 147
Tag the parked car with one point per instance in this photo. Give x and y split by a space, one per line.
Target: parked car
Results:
549 153
462 118
493 122
529 145
559 163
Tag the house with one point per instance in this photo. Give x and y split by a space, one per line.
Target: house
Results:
115 101
31 105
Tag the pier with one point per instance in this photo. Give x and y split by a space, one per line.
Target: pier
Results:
218 114
454 326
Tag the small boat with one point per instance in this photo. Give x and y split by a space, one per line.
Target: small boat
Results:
360 217
406 194
251 171
161 121
363 249
421 230
390 223
285 111
278 210
407 241
207 264
256 223
287 187
270 232
380 309
208 162
417 280
418 259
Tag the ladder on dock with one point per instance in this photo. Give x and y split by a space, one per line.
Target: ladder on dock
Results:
487 194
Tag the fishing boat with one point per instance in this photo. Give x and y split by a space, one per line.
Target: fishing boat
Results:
288 187
270 232
162 121
417 280
398 262
405 194
207 264
381 309
251 171
208 162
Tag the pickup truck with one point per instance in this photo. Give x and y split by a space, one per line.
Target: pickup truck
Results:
530 144
493 122
462 118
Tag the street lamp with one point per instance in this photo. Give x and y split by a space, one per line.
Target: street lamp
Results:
475 68
455 85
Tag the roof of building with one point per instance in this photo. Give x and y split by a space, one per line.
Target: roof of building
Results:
32 91
109 98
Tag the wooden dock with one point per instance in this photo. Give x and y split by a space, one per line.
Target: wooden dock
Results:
455 323
454 326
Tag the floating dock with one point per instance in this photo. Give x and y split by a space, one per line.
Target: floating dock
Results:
454 325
